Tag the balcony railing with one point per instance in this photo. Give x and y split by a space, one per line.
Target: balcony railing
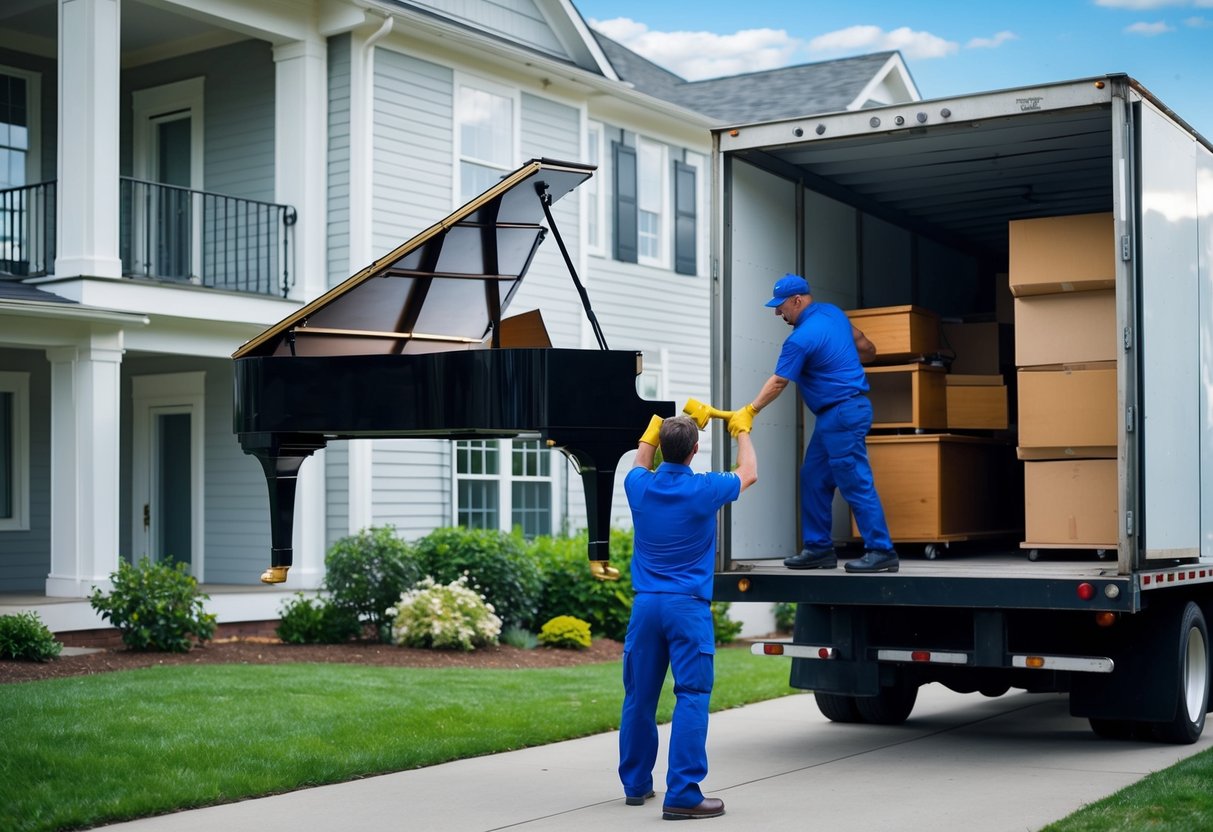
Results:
165 233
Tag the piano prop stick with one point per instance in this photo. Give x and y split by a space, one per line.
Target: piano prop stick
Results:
415 345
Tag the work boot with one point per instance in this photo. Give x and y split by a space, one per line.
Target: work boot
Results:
875 561
812 559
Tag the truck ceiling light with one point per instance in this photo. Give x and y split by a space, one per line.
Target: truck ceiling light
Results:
1086 591
798 132
1111 591
922 118
874 122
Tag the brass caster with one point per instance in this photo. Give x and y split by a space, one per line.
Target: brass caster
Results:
603 571
274 575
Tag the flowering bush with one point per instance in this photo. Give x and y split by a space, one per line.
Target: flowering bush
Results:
450 615
566 631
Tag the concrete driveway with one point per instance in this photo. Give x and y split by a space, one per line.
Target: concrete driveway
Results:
962 762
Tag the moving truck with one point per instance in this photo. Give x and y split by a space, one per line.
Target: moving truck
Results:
1035 267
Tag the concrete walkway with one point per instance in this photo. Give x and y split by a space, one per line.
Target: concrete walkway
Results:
965 763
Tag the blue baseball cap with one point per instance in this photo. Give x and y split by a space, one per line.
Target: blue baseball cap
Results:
786 286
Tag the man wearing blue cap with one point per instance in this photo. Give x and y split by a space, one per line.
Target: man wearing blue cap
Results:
824 356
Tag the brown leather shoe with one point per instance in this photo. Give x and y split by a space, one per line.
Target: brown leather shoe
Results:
711 807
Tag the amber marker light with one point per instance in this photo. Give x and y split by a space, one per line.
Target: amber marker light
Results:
1034 661
772 649
1105 619
1099 85
734 133
743 585
1086 591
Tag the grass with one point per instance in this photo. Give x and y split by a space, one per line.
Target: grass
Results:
88 750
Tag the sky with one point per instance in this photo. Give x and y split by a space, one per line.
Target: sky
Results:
951 48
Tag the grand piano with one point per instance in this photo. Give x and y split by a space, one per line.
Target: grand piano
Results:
415 345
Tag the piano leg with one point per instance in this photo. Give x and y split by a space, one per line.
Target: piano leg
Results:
280 459
598 482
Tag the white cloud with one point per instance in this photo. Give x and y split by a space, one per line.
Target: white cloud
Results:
859 39
1140 5
699 55
991 43
1148 30
1198 22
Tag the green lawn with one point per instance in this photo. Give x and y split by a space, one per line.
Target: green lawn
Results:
87 750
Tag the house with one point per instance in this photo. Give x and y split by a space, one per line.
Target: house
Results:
178 175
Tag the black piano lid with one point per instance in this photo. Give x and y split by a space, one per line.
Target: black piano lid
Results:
442 290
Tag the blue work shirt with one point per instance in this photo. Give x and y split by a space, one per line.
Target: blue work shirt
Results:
674 518
820 356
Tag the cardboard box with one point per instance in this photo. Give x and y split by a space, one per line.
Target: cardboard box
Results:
1071 503
977 347
977 406
971 380
1062 254
1065 329
900 333
1068 412
935 487
908 396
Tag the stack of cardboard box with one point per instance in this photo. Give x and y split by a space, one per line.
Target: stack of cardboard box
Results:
1062 275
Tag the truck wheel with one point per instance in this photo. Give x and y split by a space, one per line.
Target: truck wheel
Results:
1192 665
931 551
891 706
837 707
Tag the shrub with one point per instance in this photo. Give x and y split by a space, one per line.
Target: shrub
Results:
23 636
316 621
518 637
501 564
155 606
568 588
366 572
785 616
726 628
566 631
450 615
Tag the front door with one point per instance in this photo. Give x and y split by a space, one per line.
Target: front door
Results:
167 468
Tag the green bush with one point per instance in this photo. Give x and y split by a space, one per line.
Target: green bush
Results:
518 637
725 627
366 572
23 636
316 621
785 616
566 631
501 564
450 615
155 606
568 588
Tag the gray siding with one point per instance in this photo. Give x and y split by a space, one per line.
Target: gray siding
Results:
25 556
413 167
239 114
412 485
338 159
517 21
336 492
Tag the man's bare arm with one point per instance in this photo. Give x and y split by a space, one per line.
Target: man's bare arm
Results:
866 349
747 461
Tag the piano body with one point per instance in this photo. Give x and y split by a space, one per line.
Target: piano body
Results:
415 345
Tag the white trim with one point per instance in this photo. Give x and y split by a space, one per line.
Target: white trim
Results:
514 95
167 393
703 181
156 102
505 479
33 113
595 189
18 385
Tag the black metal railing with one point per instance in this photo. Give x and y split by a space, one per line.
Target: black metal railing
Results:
178 234
27 230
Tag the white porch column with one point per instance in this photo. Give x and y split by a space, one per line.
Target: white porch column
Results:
88 139
308 540
84 465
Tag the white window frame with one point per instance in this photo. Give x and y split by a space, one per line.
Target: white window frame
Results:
463 79
664 258
505 479
595 190
33 109
17 384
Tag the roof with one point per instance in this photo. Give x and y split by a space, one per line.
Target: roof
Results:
822 87
16 290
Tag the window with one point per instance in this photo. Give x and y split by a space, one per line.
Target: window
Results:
650 201
14 130
492 496
24 228
595 228
14 451
486 138
657 203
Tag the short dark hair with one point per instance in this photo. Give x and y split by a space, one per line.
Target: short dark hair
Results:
678 437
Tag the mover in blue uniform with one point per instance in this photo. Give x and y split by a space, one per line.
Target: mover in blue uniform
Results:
824 355
674 521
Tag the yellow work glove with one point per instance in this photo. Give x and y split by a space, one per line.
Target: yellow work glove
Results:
742 420
602 570
701 413
652 432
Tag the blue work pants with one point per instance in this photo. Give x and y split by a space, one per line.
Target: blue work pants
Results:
837 457
667 631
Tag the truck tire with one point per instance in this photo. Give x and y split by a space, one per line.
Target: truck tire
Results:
891 706
837 707
1191 663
